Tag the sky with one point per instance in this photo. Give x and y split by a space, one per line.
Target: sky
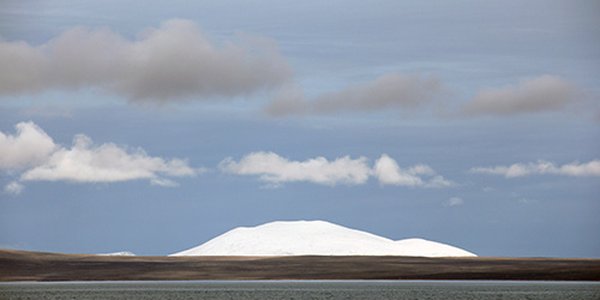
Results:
155 126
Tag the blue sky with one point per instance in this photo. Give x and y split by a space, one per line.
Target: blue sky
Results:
154 127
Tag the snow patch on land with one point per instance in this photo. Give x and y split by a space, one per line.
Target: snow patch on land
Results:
122 253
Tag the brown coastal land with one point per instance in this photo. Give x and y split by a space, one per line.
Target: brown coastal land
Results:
40 266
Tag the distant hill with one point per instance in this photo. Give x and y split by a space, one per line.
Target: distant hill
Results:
315 238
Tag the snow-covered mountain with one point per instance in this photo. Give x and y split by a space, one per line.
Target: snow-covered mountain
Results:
315 238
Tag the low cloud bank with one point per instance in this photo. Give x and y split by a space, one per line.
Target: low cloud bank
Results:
171 62
398 91
177 62
539 94
414 93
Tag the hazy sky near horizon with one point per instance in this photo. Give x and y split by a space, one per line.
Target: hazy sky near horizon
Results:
154 126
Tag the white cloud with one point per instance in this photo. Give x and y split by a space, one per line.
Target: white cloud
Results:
275 169
524 200
591 168
540 94
38 158
174 61
388 172
164 182
390 91
14 188
29 146
85 162
454 201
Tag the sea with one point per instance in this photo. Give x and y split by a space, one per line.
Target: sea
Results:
265 290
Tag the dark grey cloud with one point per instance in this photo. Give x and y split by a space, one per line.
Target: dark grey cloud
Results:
173 61
540 94
396 91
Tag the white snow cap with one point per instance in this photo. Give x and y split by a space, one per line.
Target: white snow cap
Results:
283 238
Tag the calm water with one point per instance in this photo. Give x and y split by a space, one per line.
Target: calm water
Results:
302 290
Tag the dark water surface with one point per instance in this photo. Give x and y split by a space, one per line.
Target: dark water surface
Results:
432 290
